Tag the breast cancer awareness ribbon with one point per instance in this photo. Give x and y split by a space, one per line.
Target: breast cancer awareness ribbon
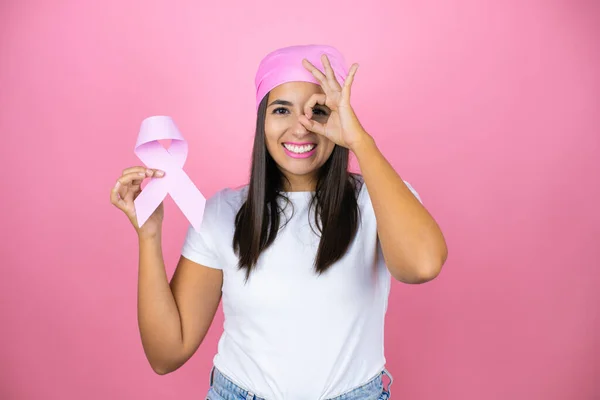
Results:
176 182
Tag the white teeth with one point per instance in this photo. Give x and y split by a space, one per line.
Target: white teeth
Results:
299 149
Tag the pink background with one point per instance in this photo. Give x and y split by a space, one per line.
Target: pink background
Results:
490 109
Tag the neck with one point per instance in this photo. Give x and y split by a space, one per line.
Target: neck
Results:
300 183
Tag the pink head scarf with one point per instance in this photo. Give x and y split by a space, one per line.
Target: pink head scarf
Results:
285 65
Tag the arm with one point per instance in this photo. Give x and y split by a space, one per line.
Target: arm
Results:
174 318
412 243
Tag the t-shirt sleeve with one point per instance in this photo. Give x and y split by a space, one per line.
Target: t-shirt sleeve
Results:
369 217
413 191
199 246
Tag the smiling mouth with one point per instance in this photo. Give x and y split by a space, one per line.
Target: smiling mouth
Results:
299 148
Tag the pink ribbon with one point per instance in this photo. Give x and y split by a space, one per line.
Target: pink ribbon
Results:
175 182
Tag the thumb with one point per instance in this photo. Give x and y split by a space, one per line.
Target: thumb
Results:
312 125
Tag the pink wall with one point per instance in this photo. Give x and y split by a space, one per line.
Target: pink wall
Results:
490 109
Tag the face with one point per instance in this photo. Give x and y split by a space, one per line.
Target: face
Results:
298 152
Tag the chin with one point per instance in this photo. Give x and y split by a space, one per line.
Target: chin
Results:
304 167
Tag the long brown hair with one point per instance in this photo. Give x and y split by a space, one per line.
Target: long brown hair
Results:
258 220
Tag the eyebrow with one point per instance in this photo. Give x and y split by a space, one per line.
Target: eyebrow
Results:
290 104
282 103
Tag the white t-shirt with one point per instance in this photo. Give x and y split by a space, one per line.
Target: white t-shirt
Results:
289 333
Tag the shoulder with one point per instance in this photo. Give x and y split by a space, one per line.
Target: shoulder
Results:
225 201
213 238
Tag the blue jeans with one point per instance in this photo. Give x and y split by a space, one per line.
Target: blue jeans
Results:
221 388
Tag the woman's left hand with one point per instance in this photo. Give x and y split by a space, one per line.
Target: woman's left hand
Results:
342 126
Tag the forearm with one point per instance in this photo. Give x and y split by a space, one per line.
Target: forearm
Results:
158 316
412 242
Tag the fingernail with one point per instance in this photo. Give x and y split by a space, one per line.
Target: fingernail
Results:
160 173
149 172
141 174
117 184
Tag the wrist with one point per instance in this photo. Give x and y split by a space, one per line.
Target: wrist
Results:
363 145
149 237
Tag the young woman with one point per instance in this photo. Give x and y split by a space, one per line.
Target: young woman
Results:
302 256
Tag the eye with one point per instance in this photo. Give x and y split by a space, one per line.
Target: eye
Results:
280 110
319 111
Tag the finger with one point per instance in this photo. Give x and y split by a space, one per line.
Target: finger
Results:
123 191
317 98
137 168
329 73
115 198
129 192
349 80
312 125
149 172
130 170
132 182
128 183
144 173
316 73
128 179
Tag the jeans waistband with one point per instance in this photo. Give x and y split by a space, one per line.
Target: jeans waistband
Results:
228 389
375 386
220 382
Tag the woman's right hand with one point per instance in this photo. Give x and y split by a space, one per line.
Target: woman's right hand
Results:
127 188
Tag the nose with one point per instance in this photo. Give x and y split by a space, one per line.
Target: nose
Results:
298 129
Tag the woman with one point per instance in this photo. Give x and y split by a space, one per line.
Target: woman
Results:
302 256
